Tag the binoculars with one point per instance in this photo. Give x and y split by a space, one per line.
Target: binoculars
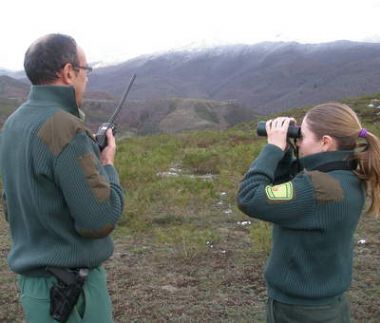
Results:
294 131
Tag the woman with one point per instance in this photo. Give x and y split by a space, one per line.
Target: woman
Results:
314 211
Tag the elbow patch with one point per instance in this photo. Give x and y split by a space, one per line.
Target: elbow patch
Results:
326 187
97 182
97 234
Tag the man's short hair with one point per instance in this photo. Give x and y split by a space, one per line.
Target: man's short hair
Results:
47 55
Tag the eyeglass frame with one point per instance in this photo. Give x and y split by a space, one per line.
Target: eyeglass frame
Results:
87 68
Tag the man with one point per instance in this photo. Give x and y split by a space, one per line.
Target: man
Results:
62 194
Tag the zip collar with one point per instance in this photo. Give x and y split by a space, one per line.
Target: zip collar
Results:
318 161
61 95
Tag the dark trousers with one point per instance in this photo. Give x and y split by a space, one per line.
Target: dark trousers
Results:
336 312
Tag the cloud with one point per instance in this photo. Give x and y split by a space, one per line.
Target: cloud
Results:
120 28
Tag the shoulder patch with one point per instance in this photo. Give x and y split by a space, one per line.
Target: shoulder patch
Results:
281 192
326 187
59 130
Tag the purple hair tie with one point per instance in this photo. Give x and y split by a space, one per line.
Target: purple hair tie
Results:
363 133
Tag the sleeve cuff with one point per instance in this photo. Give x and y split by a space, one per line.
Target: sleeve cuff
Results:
112 174
268 158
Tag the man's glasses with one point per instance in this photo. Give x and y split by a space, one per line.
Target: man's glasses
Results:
87 68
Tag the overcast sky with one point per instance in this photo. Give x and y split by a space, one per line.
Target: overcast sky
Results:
116 30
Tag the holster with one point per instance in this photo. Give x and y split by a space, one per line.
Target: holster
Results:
65 293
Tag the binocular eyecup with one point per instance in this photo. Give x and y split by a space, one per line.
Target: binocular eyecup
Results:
294 131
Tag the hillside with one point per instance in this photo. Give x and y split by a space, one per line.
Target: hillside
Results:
12 88
168 115
153 116
183 250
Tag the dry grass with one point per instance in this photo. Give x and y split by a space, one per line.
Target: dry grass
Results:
152 279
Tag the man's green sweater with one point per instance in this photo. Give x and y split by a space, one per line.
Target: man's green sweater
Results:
61 202
314 216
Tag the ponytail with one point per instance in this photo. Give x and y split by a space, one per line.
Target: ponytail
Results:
368 157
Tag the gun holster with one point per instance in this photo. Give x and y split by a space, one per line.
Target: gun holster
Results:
65 293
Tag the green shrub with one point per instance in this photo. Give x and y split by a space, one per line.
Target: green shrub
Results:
202 161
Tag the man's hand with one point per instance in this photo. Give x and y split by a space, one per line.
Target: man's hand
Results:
277 130
107 155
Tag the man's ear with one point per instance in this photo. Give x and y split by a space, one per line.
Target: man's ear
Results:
67 74
329 143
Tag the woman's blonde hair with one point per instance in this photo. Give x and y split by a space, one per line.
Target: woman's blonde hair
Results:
341 123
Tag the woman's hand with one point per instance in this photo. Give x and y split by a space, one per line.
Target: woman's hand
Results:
277 130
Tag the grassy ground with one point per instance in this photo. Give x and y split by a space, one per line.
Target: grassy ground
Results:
183 252
202 273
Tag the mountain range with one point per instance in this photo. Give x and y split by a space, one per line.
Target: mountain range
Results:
228 84
266 77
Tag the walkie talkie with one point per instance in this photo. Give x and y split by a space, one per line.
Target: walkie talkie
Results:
100 136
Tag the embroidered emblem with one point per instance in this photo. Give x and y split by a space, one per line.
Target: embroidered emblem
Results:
281 192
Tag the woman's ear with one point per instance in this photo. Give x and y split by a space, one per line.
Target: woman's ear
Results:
329 143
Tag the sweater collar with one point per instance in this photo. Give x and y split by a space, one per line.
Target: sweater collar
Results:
313 161
62 95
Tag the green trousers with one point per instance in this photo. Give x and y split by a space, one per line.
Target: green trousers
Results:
336 312
94 304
